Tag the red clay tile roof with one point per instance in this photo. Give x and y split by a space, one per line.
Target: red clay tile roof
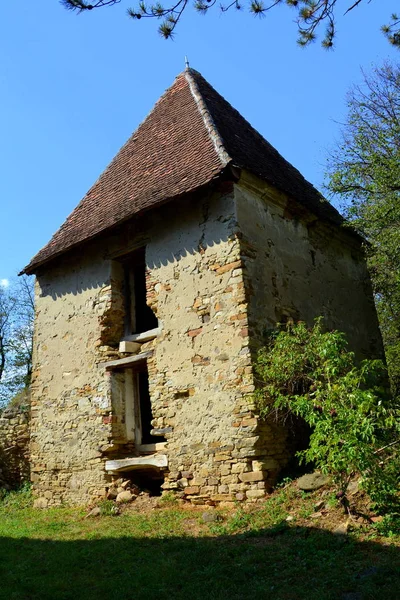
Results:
188 139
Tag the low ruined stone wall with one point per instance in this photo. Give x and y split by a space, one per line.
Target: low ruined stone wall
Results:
14 447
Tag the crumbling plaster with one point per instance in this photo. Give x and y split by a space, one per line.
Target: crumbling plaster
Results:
300 267
221 267
199 372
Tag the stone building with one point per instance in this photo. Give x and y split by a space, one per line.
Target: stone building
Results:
154 294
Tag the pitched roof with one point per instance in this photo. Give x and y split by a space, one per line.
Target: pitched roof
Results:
189 138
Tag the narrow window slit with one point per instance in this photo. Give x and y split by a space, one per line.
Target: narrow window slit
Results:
139 413
138 315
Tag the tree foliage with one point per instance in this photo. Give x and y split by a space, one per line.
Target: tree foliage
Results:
311 15
355 422
365 170
16 334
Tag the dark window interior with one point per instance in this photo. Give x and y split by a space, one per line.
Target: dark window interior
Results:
145 409
138 316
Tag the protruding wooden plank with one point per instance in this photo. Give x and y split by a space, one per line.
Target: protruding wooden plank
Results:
139 462
143 337
129 361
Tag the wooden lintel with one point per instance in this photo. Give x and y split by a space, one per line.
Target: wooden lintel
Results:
146 336
125 363
159 461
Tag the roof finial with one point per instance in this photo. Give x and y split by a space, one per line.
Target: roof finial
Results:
186 62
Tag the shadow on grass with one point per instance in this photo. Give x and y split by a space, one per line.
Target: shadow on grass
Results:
281 563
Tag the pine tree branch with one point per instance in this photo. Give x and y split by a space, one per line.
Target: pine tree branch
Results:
311 15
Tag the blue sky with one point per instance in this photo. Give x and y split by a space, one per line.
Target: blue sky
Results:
73 88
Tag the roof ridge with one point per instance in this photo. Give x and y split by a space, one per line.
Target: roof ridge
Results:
212 130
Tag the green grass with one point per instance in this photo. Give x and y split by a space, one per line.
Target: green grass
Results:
170 553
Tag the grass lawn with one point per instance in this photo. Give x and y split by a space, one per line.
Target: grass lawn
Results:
169 552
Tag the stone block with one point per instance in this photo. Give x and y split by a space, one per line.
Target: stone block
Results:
125 497
227 504
255 494
312 481
222 457
241 468
228 267
129 347
225 469
208 490
265 464
198 481
253 476
213 481
193 489
223 498
228 479
41 503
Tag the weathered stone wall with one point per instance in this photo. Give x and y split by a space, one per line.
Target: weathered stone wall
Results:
71 400
220 268
299 267
199 374
14 447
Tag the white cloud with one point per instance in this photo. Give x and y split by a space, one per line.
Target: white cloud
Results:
4 283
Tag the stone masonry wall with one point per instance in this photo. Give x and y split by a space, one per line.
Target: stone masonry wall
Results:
199 373
299 268
14 447
220 269
71 400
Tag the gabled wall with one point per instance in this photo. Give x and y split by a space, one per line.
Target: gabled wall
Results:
199 373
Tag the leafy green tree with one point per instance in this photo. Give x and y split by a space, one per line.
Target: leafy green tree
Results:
364 170
16 338
355 426
311 15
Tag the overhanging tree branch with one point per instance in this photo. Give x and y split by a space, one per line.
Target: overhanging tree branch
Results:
311 15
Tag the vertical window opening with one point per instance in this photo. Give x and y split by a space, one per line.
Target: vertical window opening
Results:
146 414
139 414
138 315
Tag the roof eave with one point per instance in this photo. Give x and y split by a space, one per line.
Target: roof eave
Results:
227 173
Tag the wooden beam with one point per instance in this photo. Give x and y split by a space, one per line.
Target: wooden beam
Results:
140 462
146 336
124 363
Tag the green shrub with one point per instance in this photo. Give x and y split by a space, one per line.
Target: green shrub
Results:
355 423
17 499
